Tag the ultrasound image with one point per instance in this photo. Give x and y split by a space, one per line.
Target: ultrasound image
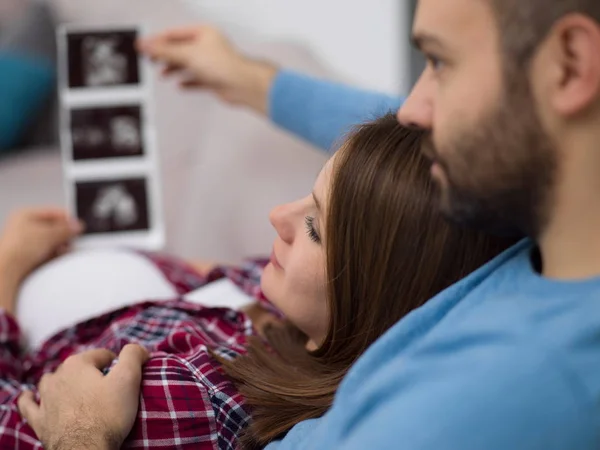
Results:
113 206
102 59
106 132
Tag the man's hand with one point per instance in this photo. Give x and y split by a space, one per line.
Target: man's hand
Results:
205 58
30 238
80 408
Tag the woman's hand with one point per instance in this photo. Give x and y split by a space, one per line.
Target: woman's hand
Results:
205 58
80 408
203 267
32 237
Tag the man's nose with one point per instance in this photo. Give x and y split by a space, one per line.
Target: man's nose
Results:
417 110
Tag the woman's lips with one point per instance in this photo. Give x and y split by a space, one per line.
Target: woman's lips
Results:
275 261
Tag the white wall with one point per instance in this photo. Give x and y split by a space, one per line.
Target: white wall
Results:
365 41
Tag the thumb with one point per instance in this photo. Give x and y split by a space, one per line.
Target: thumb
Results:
29 409
48 213
129 366
62 231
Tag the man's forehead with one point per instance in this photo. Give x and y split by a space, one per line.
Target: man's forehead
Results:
449 22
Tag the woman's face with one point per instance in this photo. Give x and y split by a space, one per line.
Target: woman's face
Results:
294 280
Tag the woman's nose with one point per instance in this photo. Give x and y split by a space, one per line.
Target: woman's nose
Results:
281 218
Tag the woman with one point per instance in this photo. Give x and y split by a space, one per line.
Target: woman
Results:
351 259
388 251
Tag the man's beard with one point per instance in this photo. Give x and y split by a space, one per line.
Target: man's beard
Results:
499 173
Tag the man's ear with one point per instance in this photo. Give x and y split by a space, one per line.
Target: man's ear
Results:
575 56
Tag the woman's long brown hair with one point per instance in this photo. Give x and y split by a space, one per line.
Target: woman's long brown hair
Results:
388 251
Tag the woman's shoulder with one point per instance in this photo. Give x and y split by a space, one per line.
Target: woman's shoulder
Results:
187 401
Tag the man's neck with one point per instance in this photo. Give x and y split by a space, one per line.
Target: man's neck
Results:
570 244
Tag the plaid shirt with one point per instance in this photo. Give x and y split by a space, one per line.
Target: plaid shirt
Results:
186 400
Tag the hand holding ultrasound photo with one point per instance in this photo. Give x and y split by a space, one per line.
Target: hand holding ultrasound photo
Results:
107 136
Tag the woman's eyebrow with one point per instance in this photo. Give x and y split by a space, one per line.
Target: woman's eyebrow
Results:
316 201
422 40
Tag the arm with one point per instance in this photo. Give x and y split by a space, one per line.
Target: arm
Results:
9 285
11 364
322 112
315 110
30 238
10 335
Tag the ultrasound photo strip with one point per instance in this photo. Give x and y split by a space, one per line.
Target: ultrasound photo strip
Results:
109 146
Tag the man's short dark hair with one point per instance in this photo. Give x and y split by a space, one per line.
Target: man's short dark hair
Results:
524 24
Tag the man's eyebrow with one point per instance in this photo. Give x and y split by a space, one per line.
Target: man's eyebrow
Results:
420 40
316 201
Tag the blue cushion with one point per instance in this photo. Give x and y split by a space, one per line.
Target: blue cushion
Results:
26 83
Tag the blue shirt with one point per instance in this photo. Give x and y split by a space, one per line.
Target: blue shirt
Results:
504 359
322 112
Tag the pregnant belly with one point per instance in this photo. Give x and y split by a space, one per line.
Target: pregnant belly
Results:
83 285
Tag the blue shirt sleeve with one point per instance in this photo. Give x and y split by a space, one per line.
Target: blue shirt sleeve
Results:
322 112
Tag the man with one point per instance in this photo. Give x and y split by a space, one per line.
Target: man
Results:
508 358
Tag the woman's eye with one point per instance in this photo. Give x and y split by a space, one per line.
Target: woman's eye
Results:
436 63
310 229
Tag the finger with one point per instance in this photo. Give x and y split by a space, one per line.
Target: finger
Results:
191 84
64 222
170 69
45 213
52 215
61 233
77 226
29 409
129 367
44 382
99 358
180 34
144 44
170 53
